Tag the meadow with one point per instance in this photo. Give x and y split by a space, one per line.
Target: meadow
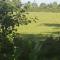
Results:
46 23
39 40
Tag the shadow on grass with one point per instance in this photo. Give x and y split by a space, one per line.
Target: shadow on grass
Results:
36 47
31 47
52 25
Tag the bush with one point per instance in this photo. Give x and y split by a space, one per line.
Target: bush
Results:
30 47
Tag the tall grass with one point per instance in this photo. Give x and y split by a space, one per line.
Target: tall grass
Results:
37 47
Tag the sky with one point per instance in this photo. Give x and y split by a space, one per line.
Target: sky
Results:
41 1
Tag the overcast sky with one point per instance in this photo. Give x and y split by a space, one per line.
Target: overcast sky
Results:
40 1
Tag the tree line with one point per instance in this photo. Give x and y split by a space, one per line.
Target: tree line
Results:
34 7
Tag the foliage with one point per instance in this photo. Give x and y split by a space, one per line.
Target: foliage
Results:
28 6
17 47
35 47
43 7
10 16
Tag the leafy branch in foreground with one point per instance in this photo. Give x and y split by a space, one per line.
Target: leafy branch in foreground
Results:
10 16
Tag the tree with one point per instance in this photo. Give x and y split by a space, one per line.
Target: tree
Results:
34 5
54 5
28 5
49 5
10 16
43 5
59 6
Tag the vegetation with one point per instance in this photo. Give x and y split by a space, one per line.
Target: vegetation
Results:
37 47
15 45
10 16
43 7
46 23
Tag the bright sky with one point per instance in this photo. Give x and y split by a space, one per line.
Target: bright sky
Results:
40 1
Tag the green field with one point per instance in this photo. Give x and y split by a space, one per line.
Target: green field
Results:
48 22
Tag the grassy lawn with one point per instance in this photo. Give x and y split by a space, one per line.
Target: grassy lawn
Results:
48 22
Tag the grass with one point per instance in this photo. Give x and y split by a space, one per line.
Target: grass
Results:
48 22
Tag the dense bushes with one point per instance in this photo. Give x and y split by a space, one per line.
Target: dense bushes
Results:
6 48
32 47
